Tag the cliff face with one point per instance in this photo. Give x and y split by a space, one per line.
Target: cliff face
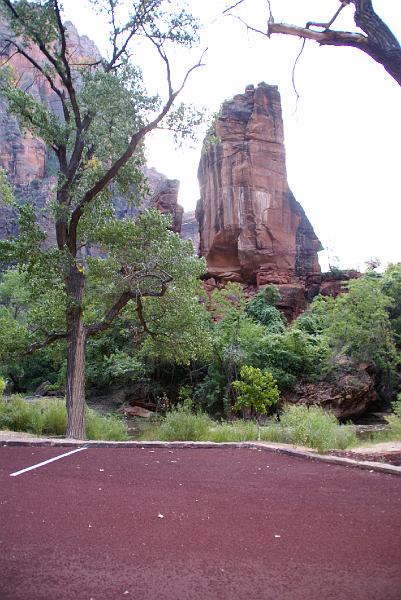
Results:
252 229
30 165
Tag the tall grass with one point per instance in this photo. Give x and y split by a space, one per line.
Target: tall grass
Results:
312 427
180 424
50 417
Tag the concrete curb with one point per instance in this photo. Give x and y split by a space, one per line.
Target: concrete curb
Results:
262 446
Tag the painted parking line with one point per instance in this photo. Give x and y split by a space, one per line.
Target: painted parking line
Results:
46 462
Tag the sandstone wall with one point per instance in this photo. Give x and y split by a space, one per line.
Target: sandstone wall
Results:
30 165
252 229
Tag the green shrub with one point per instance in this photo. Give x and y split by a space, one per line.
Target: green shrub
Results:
345 437
55 417
18 415
181 424
238 431
50 417
100 427
2 386
276 433
255 390
396 406
311 427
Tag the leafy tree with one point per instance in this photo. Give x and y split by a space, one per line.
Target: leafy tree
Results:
392 289
97 143
255 390
359 323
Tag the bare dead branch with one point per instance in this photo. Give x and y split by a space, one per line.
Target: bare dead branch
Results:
377 41
327 25
227 10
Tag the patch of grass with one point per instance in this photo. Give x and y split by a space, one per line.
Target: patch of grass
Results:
55 416
100 427
50 417
238 431
180 424
312 427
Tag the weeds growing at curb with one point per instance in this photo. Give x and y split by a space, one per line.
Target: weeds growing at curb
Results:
49 417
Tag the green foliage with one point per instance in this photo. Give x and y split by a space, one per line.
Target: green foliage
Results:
2 386
181 424
6 192
391 285
315 427
236 431
292 355
256 391
18 415
261 308
359 323
50 417
100 427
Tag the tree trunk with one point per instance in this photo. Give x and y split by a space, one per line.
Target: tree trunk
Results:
75 397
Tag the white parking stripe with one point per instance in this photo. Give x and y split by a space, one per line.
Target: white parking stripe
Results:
46 462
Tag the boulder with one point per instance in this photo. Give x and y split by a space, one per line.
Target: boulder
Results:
349 391
136 411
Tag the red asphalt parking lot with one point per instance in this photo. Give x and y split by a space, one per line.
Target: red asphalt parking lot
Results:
164 524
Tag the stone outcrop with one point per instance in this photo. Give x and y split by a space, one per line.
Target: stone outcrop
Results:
349 391
252 230
190 229
30 165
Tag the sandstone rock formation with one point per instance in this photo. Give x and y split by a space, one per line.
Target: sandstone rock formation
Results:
252 229
349 391
30 165
190 229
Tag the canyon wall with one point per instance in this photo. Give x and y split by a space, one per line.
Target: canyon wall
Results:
31 167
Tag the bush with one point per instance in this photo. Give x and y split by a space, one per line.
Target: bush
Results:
100 427
311 427
2 386
238 431
18 415
55 417
50 417
180 424
255 390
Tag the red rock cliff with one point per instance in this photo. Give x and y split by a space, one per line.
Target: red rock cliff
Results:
29 163
252 229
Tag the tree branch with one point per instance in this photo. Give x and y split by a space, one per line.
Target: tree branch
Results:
51 338
378 42
37 66
123 300
135 140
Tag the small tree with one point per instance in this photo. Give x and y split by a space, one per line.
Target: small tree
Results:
97 140
256 390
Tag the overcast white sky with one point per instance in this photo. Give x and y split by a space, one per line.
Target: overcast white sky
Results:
343 142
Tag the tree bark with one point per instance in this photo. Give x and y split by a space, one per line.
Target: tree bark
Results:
76 336
378 41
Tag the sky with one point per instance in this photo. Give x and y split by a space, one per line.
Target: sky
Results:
342 137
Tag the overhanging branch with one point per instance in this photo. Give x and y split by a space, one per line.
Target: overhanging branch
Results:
51 338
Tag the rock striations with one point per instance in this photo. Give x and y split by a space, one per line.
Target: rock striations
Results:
252 230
